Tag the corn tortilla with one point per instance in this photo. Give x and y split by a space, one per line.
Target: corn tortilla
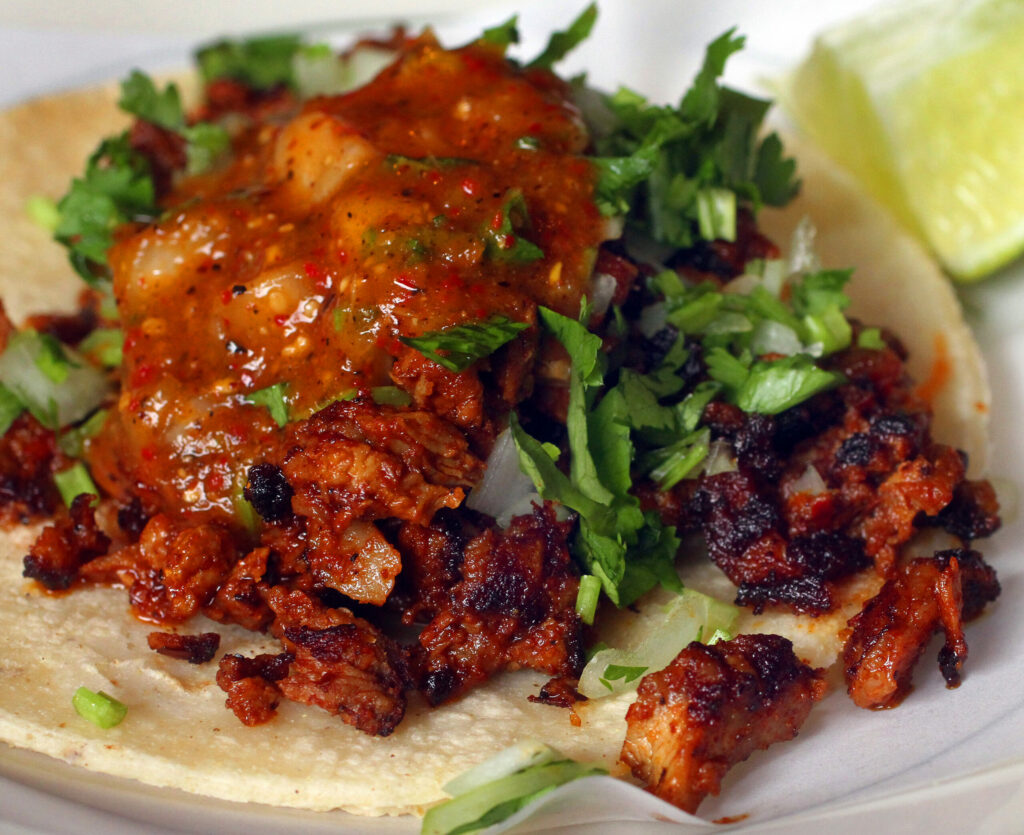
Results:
179 734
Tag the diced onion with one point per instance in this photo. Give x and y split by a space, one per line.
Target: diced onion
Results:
653 639
771 337
742 285
322 72
53 403
802 257
721 458
653 319
505 490
611 229
810 482
602 289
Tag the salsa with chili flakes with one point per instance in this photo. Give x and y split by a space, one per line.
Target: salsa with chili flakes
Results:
362 218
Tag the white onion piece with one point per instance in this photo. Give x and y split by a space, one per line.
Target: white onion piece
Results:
82 391
602 289
654 637
774 276
771 337
802 257
611 229
928 541
653 319
810 482
504 487
329 74
721 458
742 285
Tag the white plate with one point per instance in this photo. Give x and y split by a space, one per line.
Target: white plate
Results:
950 761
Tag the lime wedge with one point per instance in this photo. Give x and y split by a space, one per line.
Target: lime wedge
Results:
923 101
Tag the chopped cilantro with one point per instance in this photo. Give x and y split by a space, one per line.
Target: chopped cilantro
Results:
504 240
72 441
117 187
614 672
10 408
678 173
105 346
871 338
773 387
99 708
75 481
43 212
458 347
140 98
262 62
390 396
273 398
561 44
587 597
504 34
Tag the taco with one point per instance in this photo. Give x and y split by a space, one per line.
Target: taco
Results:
333 316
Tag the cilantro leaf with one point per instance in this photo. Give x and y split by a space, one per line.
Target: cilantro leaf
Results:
273 398
819 290
617 179
204 143
10 408
262 62
141 99
503 34
458 347
701 102
773 387
117 187
561 44
679 173
504 241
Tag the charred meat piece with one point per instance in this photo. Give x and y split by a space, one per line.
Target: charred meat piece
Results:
973 513
173 570
351 464
711 708
251 685
747 539
240 598
340 662
196 649
28 458
268 491
889 635
65 546
513 607
458 397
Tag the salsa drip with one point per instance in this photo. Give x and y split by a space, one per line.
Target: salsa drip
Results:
450 189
